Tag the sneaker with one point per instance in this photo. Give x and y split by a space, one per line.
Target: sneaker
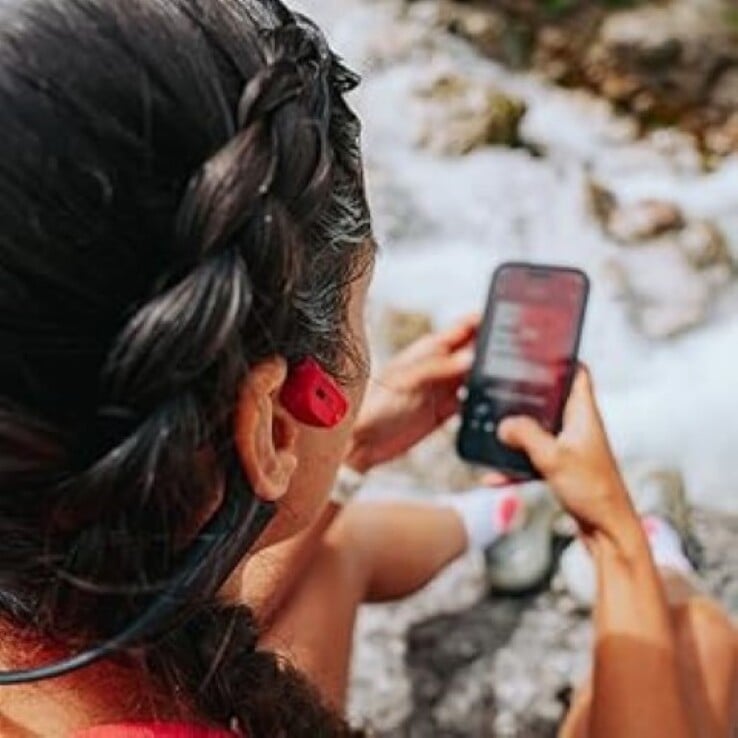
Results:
522 561
655 491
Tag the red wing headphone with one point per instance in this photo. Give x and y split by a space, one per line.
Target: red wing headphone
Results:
313 398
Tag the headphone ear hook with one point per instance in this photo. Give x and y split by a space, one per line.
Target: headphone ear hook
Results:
313 397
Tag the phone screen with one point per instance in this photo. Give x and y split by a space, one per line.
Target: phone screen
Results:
533 333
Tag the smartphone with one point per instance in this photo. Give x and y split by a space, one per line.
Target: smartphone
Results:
525 362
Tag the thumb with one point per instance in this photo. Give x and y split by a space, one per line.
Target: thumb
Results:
526 434
581 414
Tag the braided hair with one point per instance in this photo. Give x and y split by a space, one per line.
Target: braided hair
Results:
181 196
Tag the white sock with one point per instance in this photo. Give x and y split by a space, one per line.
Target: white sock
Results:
666 544
487 514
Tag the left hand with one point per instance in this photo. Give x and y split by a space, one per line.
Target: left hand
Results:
415 393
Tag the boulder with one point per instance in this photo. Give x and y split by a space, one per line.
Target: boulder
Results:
724 93
722 139
642 220
632 222
662 60
484 27
663 294
673 269
462 114
704 245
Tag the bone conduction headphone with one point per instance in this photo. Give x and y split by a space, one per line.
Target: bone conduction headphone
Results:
313 398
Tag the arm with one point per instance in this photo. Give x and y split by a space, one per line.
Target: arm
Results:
636 688
636 680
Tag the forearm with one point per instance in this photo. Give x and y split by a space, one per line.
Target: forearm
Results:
636 687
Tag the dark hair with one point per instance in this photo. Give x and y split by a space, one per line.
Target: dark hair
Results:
180 196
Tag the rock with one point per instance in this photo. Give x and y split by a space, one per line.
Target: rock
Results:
701 241
703 244
664 295
642 220
463 114
493 31
665 61
680 148
724 93
665 320
723 139
600 201
401 327
380 647
529 653
633 222
484 27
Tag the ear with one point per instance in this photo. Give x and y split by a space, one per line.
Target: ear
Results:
265 434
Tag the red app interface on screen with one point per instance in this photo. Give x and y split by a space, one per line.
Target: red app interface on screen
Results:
531 343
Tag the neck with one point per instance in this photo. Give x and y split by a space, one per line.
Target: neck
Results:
108 692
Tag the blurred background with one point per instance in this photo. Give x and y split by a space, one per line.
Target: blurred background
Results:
600 134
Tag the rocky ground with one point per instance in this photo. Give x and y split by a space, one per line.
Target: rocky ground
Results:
664 62
602 134
505 667
457 661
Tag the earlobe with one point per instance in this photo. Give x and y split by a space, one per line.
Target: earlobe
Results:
265 435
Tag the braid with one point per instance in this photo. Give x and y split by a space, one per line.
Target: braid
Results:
162 261
214 659
169 385
191 333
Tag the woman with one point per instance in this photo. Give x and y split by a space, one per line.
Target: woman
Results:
183 222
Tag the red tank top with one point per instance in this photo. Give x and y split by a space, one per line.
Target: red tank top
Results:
154 730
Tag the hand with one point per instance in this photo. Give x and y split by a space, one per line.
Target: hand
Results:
578 464
415 393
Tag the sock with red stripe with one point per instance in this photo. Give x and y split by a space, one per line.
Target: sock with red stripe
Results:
666 544
487 514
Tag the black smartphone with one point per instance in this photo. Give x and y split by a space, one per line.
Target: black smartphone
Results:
526 358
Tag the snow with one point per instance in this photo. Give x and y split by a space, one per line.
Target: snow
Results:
445 223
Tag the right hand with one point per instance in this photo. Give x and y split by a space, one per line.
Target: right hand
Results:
578 463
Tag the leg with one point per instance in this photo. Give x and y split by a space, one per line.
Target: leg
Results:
708 647
708 650
370 552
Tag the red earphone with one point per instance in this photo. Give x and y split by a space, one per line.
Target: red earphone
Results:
313 397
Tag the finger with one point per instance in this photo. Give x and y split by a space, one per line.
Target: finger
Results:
462 333
451 367
581 407
496 479
439 344
526 434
